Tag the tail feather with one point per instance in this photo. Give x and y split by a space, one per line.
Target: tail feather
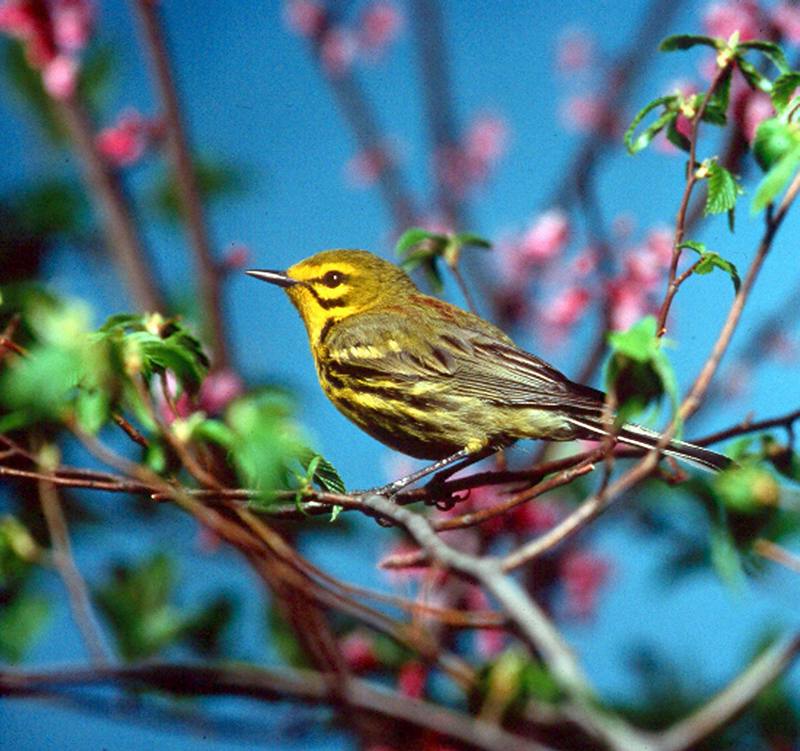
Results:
636 435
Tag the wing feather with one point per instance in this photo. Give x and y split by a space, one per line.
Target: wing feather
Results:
470 358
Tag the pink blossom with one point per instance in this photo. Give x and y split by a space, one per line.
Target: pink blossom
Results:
490 642
207 541
124 143
721 19
786 18
411 679
486 139
623 226
782 348
567 307
454 169
583 574
337 51
436 223
381 22
738 380
640 270
16 19
358 651
545 238
237 256
659 245
575 51
365 168
60 77
536 516
304 17
174 403
755 107
628 300
584 263
586 113
218 390
72 23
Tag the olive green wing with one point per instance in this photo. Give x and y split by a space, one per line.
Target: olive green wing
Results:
468 357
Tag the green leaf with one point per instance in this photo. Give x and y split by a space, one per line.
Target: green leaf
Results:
92 409
136 604
723 190
746 489
18 550
774 139
676 138
324 474
769 49
216 432
639 372
720 99
709 260
755 79
413 237
22 620
27 84
725 558
155 456
638 342
783 458
267 442
783 89
776 179
465 239
670 103
687 41
205 632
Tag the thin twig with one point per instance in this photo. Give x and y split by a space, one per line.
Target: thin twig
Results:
692 180
531 622
123 240
208 273
270 685
77 591
732 700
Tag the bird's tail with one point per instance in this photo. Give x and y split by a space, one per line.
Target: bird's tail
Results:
635 435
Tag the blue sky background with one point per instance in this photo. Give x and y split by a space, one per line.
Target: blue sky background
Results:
255 99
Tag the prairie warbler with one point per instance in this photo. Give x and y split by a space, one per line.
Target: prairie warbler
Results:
432 380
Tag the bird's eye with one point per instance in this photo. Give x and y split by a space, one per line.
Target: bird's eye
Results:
333 278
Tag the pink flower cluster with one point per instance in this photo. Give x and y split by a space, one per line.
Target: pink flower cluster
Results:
464 165
217 391
365 168
583 574
633 292
536 255
54 33
340 45
125 142
583 110
722 19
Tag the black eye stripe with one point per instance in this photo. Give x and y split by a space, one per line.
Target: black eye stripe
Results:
336 302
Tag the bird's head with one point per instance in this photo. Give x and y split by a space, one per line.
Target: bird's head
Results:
336 284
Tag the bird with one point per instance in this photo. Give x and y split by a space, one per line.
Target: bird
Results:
434 381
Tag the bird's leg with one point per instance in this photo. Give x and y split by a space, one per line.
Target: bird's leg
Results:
444 468
451 469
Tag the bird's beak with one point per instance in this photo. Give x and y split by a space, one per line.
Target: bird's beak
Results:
281 278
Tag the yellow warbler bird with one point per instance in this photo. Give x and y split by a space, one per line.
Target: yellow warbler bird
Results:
434 381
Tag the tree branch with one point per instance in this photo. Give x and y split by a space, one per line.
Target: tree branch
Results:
208 273
270 685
